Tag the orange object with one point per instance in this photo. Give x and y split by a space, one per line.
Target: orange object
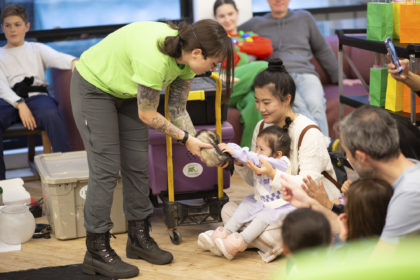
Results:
407 100
410 23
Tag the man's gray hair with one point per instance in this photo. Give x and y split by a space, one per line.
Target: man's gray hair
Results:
371 130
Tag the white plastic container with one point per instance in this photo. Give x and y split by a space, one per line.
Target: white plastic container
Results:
64 178
14 192
17 224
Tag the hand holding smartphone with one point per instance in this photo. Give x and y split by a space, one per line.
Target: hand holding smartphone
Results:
391 49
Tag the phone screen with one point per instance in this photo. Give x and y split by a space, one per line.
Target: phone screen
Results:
391 49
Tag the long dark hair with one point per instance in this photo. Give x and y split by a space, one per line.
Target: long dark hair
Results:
409 137
366 207
219 3
278 79
207 35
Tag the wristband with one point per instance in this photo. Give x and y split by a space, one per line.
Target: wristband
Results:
20 100
184 140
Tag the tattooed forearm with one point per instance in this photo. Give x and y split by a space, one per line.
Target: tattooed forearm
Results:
147 98
184 122
163 125
177 102
148 101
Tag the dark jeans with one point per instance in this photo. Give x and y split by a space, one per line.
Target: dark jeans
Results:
45 111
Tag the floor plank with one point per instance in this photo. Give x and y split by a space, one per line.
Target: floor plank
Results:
190 262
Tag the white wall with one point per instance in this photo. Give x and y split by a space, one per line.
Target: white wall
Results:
204 9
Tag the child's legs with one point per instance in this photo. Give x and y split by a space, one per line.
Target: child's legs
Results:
241 215
254 229
233 225
45 111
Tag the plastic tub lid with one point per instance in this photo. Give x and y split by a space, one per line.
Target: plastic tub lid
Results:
61 168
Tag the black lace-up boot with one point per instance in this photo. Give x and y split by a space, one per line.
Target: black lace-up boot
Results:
101 258
141 246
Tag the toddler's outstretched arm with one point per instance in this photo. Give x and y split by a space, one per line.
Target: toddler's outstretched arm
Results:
265 168
244 155
226 149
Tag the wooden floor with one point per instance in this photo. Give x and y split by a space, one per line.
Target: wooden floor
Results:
190 262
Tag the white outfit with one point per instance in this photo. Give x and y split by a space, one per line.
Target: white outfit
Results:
30 59
311 159
269 195
266 205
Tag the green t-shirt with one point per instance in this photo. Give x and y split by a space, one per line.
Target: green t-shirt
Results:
130 56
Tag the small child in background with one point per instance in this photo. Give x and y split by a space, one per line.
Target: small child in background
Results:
366 209
302 229
262 208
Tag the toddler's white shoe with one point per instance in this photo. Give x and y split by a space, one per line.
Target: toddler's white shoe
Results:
206 239
231 245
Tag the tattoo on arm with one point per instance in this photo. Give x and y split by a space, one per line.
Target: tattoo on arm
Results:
161 124
177 102
147 98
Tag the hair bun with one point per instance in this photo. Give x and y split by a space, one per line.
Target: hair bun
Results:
276 65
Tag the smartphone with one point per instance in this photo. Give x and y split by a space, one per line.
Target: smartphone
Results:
391 49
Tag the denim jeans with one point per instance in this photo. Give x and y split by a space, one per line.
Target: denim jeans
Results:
45 111
310 100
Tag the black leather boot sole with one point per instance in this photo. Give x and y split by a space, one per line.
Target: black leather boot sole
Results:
152 255
118 269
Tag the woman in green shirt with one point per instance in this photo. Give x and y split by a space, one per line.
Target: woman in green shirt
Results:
115 93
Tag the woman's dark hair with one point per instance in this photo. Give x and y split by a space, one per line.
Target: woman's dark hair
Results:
409 137
366 207
219 3
14 10
277 138
207 35
305 228
277 79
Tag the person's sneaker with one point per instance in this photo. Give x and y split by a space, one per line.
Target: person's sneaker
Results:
206 239
231 245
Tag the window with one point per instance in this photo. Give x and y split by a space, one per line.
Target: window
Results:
49 14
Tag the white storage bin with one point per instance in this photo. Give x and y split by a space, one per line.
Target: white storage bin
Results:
64 178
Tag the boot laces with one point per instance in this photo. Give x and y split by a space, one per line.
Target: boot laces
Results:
108 254
144 236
